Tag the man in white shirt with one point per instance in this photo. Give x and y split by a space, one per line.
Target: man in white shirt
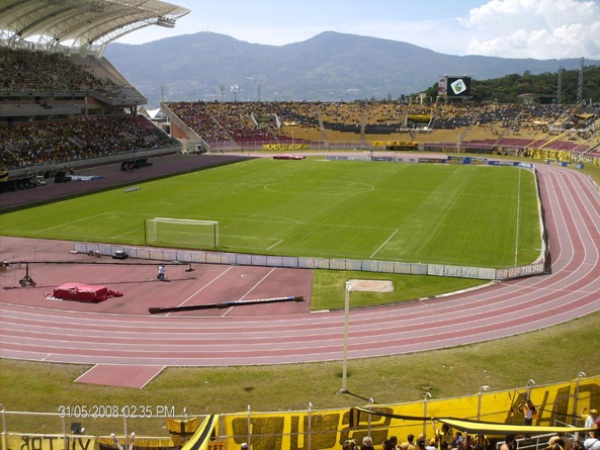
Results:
590 421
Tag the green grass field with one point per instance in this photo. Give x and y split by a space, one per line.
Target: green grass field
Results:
452 214
30 386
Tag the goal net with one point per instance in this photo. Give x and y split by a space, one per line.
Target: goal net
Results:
182 233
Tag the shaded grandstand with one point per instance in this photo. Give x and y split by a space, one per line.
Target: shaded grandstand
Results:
63 106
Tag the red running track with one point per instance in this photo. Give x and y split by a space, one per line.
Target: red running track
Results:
572 290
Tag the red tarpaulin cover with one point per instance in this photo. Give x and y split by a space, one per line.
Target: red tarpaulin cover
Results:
84 292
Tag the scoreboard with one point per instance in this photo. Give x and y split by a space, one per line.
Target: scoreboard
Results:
454 86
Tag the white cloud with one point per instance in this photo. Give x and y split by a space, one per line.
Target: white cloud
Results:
541 29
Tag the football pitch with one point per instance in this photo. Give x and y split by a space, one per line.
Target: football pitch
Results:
447 214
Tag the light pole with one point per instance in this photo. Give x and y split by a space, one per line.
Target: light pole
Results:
482 389
235 89
580 375
346 320
426 397
530 383
310 405
249 428
5 435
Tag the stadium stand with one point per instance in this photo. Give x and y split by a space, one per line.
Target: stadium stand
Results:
513 129
63 108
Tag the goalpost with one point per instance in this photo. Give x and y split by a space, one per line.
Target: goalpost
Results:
182 233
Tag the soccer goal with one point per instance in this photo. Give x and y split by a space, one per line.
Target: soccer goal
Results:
182 233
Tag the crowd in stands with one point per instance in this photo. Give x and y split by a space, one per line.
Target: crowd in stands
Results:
446 438
238 121
37 71
26 145
510 117
219 121
261 123
450 441
245 124
519 129
216 121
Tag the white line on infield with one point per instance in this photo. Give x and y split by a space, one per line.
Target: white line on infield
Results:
275 244
384 242
83 219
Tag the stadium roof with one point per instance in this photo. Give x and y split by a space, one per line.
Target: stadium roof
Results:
85 24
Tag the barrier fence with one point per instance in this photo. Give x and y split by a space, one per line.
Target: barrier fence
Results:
396 267
557 405
298 262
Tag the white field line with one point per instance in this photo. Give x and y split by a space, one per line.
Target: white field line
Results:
518 219
250 290
384 243
72 222
123 234
203 287
257 283
275 244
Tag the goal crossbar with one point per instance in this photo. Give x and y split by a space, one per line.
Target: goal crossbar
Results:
187 233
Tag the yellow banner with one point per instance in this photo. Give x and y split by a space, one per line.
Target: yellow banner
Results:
557 403
203 435
277 147
183 427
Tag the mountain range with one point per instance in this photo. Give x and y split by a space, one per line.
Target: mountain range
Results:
328 67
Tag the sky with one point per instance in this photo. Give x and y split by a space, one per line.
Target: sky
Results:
540 29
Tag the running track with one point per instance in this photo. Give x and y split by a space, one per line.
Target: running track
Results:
572 290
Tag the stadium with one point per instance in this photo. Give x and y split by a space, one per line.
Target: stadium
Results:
75 132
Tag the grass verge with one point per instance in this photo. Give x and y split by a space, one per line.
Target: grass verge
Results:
329 285
550 355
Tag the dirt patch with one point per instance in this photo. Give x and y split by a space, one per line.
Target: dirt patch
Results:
372 285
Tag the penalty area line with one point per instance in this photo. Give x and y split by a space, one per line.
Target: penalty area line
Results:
275 244
95 216
384 243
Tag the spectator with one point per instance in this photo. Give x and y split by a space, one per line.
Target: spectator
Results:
409 443
590 421
529 411
349 444
367 443
508 442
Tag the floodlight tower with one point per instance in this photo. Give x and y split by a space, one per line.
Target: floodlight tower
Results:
235 89
559 86
580 83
